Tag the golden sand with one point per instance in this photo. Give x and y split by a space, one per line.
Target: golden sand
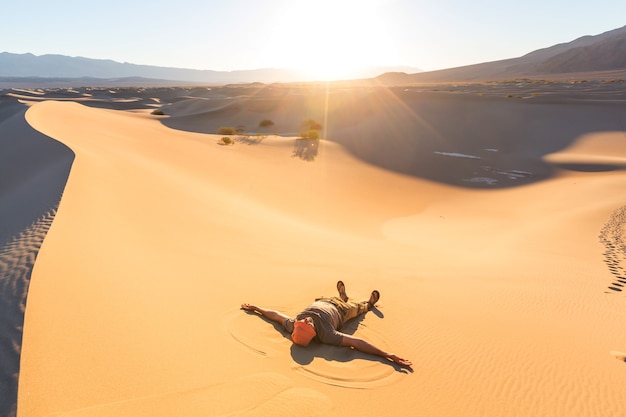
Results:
501 297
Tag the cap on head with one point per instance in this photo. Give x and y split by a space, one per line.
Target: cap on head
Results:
302 333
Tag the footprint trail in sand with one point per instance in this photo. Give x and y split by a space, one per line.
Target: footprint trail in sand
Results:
612 237
17 258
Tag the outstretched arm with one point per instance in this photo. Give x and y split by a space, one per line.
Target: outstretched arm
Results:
366 347
276 316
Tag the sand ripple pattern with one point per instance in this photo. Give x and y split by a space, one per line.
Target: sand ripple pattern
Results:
612 237
17 258
259 395
329 365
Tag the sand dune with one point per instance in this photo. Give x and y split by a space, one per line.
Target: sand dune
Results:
507 299
505 128
33 171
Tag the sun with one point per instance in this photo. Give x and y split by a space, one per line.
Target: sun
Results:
330 40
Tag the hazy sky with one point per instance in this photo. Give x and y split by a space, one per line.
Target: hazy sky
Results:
325 36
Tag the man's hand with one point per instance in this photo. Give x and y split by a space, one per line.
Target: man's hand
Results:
276 316
366 347
399 360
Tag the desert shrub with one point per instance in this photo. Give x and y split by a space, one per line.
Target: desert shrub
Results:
226 131
310 124
227 141
266 123
158 112
310 134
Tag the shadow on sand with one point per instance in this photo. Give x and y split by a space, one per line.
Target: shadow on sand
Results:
472 137
33 173
306 355
306 149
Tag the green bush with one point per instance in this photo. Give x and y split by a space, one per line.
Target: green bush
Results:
158 112
266 123
227 141
226 131
310 124
310 134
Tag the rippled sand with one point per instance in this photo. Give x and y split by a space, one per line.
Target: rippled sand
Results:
506 295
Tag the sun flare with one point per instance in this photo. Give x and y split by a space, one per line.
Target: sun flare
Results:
331 39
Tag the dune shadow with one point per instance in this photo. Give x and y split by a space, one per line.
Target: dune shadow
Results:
306 149
33 172
470 141
589 167
475 138
469 137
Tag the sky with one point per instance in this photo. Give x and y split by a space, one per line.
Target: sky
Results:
325 37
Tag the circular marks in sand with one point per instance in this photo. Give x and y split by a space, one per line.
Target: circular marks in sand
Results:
345 367
257 334
257 395
612 237
332 365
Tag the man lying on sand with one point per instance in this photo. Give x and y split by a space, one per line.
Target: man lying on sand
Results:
322 320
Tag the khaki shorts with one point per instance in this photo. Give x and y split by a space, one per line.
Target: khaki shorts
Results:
347 309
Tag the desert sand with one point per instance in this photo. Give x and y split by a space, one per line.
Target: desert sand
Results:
489 217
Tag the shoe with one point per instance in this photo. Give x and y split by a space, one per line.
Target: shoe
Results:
374 297
341 288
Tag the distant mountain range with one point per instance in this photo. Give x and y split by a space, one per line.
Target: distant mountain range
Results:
65 67
604 52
